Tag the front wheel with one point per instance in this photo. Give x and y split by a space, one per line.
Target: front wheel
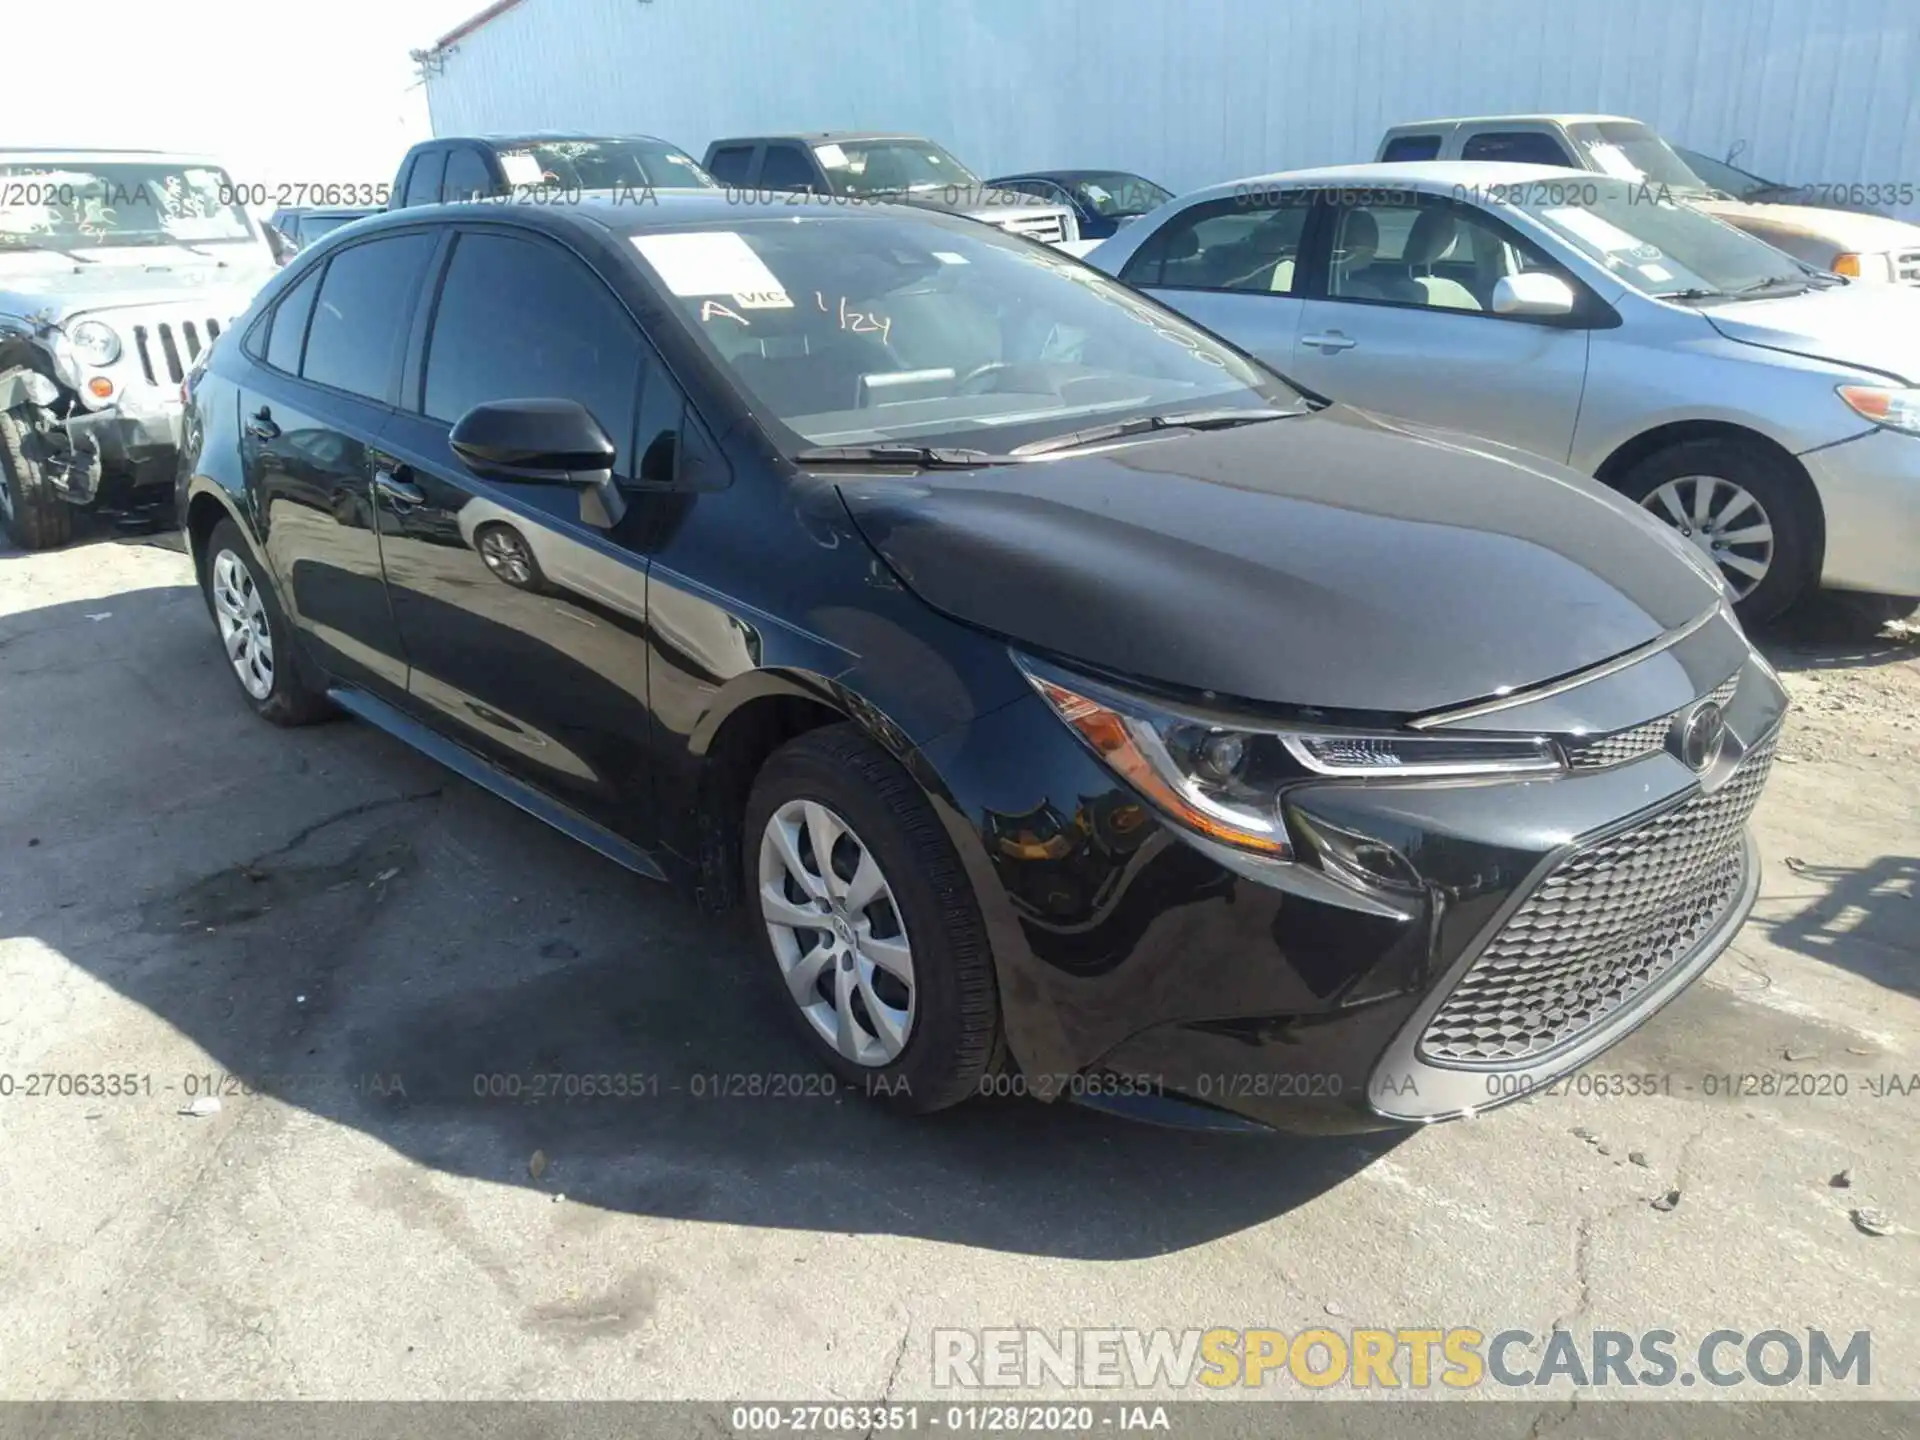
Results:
255 634
35 516
877 944
1742 508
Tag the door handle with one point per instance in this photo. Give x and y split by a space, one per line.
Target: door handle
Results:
1329 340
402 493
260 425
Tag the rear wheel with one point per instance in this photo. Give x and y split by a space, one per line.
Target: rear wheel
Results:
255 634
36 517
876 940
1742 508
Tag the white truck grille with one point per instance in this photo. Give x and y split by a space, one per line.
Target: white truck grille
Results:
1050 229
1906 267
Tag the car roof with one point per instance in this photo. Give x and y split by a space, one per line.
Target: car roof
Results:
536 137
1437 175
1543 117
1070 175
620 213
821 137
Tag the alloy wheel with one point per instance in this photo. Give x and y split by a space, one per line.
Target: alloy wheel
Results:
837 932
1723 522
505 554
244 628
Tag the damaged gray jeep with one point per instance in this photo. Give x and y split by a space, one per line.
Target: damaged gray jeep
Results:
118 271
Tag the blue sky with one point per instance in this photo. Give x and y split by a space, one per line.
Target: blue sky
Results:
285 93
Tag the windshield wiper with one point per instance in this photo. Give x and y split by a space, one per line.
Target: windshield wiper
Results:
1770 283
926 456
1697 292
1142 424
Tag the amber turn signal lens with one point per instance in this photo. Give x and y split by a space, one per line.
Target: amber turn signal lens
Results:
1847 265
100 387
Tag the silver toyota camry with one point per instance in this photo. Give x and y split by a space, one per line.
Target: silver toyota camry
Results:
1766 409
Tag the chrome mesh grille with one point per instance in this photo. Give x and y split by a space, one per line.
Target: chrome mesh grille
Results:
1051 229
1624 745
1606 924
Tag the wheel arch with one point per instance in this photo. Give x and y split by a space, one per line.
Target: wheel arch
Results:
207 506
750 719
1612 471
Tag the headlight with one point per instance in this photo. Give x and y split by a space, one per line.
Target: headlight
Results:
95 342
1224 779
1884 405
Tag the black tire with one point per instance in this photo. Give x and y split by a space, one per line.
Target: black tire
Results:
37 518
296 697
956 1023
1776 485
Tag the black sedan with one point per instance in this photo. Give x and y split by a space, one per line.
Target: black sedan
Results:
1103 200
1077 708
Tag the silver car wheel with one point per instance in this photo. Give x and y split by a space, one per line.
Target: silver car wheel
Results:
837 933
506 555
1723 522
244 628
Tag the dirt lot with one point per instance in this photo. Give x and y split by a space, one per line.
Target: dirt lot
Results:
186 893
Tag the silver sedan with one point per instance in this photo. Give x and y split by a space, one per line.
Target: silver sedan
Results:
1765 409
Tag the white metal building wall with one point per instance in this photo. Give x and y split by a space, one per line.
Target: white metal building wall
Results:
1193 91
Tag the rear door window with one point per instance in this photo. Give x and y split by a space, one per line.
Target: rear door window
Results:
1520 147
730 164
364 309
289 329
1411 147
787 168
467 177
423 184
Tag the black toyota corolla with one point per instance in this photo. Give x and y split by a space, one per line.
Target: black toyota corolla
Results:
1075 707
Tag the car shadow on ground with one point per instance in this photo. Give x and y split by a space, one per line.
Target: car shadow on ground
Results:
1864 918
1827 632
338 924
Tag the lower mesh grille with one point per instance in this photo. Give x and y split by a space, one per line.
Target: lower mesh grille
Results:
1610 921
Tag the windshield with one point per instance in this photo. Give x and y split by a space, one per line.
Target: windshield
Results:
858 329
1724 177
1663 246
880 167
1119 194
68 203
602 165
1628 150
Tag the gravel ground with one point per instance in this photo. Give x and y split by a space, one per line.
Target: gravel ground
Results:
185 892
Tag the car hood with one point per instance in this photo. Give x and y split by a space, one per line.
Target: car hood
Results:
1336 560
54 290
1847 229
1873 327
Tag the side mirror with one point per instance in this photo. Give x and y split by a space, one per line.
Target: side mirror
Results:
1533 292
543 442
534 442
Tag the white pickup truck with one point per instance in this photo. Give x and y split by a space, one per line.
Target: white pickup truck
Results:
1867 247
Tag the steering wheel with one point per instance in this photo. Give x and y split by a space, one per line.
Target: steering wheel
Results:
992 367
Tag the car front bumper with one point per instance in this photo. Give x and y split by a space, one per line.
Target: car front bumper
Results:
1135 962
1870 492
141 445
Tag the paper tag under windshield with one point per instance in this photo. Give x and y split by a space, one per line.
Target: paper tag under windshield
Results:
713 262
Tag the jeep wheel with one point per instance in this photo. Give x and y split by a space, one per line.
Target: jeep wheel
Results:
35 515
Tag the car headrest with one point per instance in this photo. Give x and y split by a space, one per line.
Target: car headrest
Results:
1359 238
1432 236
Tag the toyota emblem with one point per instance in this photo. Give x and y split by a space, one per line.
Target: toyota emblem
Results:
1699 734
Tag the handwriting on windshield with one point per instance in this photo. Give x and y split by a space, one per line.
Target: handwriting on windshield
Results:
853 321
